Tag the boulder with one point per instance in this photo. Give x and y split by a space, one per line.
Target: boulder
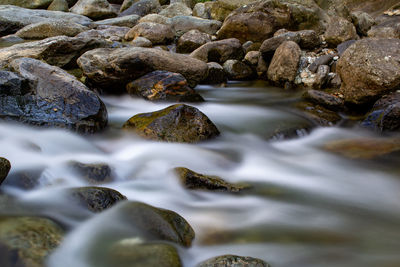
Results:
222 8
59 5
339 30
114 68
54 98
107 33
233 260
284 64
94 9
363 22
163 86
183 24
32 4
126 4
58 51
142 8
5 167
177 123
27 241
219 51
238 70
141 42
369 69
251 58
13 18
192 40
216 74
50 28
387 27
188 3
156 18
176 9
126 21
155 32
201 10
94 173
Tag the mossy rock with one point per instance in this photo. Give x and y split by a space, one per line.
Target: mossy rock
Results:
27 241
233 260
5 167
177 123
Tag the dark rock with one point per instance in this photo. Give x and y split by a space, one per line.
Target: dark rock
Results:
343 46
238 70
329 101
155 32
12 84
339 30
387 27
322 60
251 58
142 8
322 77
5 167
95 173
192 40
163 86
251 46
177 123
24 179
319 114
216 74
363 22
219 51
233 260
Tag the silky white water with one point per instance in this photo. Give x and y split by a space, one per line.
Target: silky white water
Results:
308 207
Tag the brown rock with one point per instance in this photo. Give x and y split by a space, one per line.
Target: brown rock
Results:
219 51
94 9
192 40
339 30
155 32
238 70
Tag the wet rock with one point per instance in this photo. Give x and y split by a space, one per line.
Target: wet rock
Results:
192 40
363 22
5 167
12 84
339 30
369 69
176 9
155 32
50 28
163 86
194 181
284 64
94 9
183 24
142 8
27 241
24 179
177 123
216 74
238 70
251 58
322 60
126 21
324 99
59 51
13 18
56 98
95 173
95 199
59 5
106 32
319 114
233 260
219 51
28 4
141 42
114 68
156 18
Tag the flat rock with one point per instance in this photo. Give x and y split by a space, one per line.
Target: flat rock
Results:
183 24
50 28
32 4
126 21
107 33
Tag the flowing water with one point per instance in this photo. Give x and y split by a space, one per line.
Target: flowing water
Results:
307 207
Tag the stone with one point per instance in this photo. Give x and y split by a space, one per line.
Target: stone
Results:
216 74
343 46
387 27
163 86
363 22
183 24
5 167
27 241
319 114
94 173
369 69
32 4
177 123
156 18
141 42
284 64
238 70
155 32
339 30
24 179
142 8
114 68
55 98
321 79
58 51
95 199
324 99
200 10
13 18
321 60
126 4
219 51
126 21
251 58
94 9
233 260
176 9
59 5
50 28
195 181
192 40
107 33
222 8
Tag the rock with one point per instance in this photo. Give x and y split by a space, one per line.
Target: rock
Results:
126 253
163 86
387 27
142 8
322 60
318 114
14 18
55 98
216 74
126 4
222 8
94 173
177 123
12 84
5 167
95 199
126 21
183 24
326 100
27 4
192 40
24 179
114 68
237 70
107 33
94 9
200 10
176 9
363 22
155 32
369 69
156 18
251 58
284 64
141 42
322 76
343 46
233 260
192 180
188 3
384 115
339 30
219 51
27 241
59 5
10 40
58 51
49 28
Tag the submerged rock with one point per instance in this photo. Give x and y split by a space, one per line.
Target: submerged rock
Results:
163 85
95 173
5 167
233 260
319 114
177 123
24 179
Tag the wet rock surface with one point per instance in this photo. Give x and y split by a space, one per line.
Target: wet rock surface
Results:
233 260
95 173
5 167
